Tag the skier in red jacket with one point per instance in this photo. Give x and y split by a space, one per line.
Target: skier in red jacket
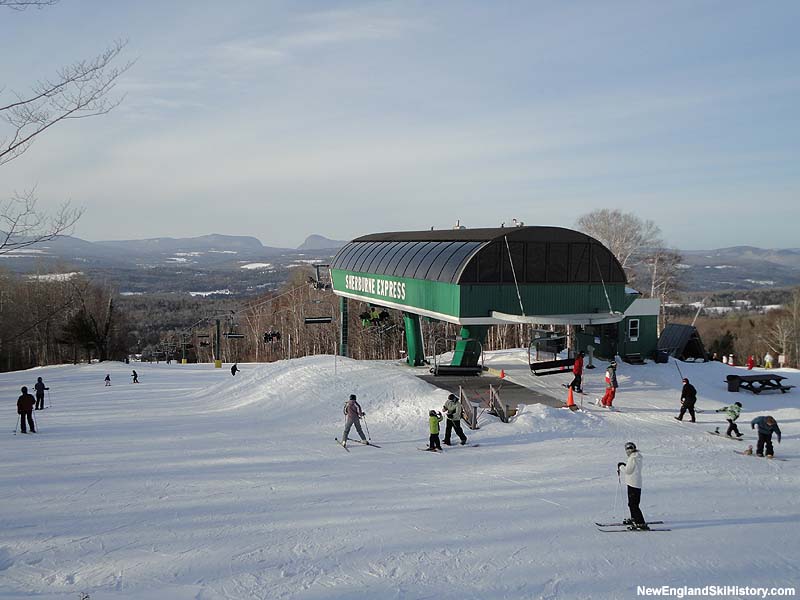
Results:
577 370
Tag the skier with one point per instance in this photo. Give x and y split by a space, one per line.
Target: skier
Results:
234 369
434 418
107 380
688 398
577 370
751 362
611 384
40 388
25 404
732 412
768 360
766 427
633 479
453 409
353 414
135 376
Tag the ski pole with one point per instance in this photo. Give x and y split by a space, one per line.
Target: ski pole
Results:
616 495
369 439
679 369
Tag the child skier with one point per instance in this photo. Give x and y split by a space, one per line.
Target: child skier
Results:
434 418
732 412
611 384
107 379
633 478
353 414
766 427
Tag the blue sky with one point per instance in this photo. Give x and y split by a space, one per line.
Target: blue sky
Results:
282 119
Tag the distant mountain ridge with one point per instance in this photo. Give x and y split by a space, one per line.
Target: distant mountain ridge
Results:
148 264
318 242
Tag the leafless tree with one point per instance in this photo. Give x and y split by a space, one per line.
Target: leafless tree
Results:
80 90
22 224
625 234
663 267
83 89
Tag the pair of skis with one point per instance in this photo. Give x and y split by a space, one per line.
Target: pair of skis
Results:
343 445
620 527
439 451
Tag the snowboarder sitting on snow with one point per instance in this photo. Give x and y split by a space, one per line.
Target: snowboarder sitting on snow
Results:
25 404
353 414
732 412
434 418
577 370
40 388
688 398
107 379
453 409
235 369
633 479
766 427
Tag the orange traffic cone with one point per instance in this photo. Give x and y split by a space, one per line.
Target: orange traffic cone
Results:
570 401
502 374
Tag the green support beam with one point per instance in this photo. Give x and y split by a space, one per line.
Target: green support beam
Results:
415 352
343 325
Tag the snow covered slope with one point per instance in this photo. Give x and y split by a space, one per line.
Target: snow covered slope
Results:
196 484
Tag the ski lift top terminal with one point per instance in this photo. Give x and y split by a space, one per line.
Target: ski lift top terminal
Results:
481 277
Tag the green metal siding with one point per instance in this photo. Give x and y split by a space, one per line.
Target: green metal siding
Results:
647 343
541 299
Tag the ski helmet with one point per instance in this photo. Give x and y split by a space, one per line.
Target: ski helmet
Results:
630 447
352 396
432 413
451 397
739 404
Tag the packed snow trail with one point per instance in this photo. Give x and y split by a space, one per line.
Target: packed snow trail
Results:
194 484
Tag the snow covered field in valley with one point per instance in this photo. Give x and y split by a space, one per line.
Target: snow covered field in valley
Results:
197 485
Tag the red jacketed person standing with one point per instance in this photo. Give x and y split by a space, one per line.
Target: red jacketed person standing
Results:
577 371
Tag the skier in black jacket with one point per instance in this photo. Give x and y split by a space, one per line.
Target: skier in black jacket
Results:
40 388
688 398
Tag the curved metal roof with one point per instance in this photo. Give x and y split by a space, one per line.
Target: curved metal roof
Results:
540 255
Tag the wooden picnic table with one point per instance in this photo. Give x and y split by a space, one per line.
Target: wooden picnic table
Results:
757 383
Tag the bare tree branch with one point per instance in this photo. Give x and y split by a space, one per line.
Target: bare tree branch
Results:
78 91
25 4
22 224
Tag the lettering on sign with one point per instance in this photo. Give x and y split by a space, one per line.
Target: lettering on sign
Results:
375 286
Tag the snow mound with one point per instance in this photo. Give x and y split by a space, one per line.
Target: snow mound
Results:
554 422
390 395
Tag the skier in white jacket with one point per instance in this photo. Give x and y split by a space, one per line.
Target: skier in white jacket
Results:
633 478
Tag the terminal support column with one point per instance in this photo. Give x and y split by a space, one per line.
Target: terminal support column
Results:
343 324
415 355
